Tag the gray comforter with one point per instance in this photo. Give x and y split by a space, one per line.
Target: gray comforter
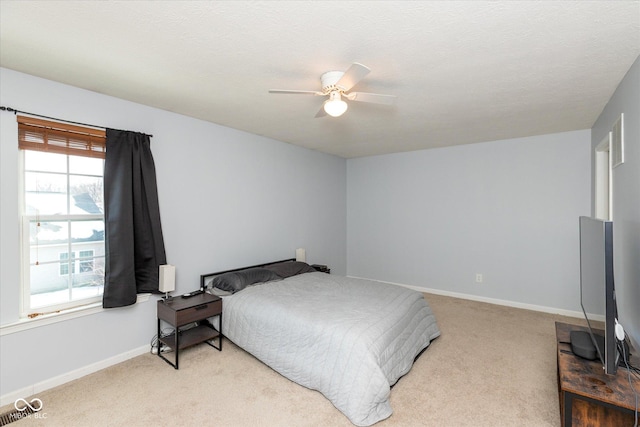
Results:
350 339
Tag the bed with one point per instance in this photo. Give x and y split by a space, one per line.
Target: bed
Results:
350 339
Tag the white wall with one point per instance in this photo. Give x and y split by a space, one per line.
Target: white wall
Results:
626 198
508 209
227 199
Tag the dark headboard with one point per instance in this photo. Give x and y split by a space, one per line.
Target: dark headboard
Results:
204 277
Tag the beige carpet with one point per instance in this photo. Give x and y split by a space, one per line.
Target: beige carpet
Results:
492 366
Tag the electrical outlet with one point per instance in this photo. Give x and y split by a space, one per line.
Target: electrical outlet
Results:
478 277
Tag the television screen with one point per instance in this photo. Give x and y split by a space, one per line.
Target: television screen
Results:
597 291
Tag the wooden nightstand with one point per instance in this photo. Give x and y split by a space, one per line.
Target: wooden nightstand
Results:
179 312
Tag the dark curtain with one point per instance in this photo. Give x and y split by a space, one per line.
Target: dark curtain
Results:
133 234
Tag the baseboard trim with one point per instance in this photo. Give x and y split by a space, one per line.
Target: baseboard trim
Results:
34 389
514 304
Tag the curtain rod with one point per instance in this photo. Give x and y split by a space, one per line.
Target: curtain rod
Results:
14 111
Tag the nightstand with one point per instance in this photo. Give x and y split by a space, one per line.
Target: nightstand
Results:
179 312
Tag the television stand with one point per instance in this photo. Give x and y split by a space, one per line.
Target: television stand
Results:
588 396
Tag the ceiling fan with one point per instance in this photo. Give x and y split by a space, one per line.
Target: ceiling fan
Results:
336 85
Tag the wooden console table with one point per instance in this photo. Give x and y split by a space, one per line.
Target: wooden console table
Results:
588 396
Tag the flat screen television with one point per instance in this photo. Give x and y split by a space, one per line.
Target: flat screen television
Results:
597 295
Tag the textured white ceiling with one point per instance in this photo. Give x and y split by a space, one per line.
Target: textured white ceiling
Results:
463 71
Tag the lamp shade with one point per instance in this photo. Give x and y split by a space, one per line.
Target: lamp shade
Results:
167 282
301 255
335 106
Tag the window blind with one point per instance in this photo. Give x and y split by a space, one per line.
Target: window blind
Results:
55 137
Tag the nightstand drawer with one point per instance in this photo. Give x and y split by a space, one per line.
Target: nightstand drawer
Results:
198 312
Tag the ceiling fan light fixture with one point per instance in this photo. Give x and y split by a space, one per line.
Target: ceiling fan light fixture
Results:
336 85
335 106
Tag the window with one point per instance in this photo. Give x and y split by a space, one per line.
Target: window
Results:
64 263
86 261
63 247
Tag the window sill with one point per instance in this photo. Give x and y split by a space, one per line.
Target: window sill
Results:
72 313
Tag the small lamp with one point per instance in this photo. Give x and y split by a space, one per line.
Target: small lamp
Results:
167 280
335 106
301 255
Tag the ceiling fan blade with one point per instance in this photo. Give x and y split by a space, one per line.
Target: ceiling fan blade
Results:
352 76
296 92
374 98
